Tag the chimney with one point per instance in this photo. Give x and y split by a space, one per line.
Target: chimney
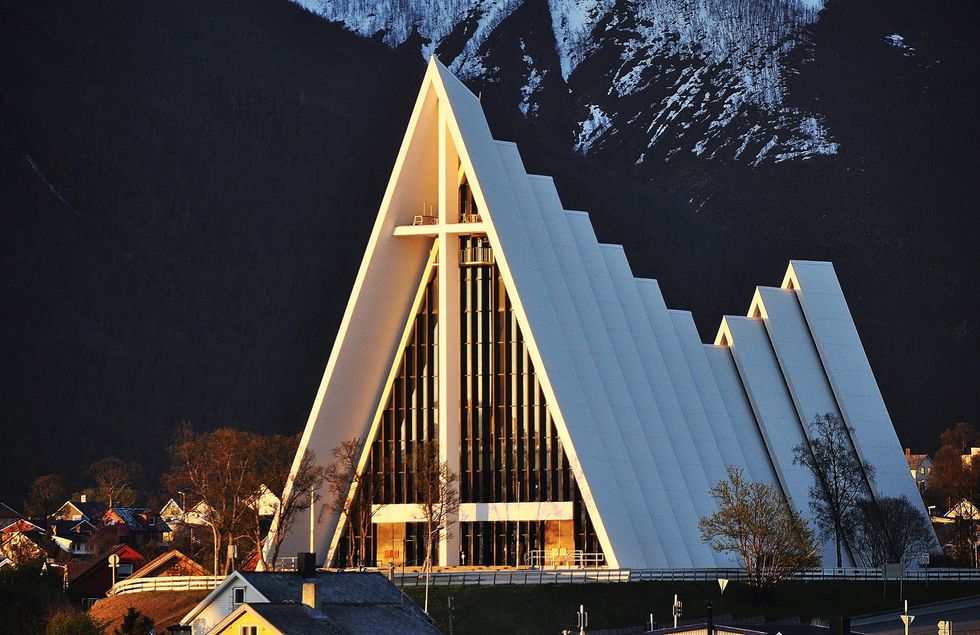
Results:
309 594
306 564
83 498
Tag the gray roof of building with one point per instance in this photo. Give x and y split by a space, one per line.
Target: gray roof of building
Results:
133 517
354 602
295 619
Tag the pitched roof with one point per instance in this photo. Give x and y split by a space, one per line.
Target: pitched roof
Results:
138 519
90 509
294 619
166 560
337 593
124 551
332 587
915 460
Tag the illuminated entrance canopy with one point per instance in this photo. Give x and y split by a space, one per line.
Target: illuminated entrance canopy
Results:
586 420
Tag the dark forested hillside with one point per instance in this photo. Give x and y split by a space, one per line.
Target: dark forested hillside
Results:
187 189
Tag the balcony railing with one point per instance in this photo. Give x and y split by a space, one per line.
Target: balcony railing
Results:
475 256
470 218
425 219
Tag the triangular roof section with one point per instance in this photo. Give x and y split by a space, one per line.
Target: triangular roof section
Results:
963 509
648 416
448 119
166 560
234 578
124 551
21 525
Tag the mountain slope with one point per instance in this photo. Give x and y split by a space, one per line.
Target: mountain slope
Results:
653 77
187 191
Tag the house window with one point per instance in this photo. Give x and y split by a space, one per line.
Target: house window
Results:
238 596
248 630
124 570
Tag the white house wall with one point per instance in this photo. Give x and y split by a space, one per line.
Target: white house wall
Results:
649 416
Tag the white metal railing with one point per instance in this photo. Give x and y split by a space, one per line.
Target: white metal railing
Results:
600 574
544 558
287 563
166 583
476 256
513 576
564 576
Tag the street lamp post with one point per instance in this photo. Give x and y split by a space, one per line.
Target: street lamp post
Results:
214 533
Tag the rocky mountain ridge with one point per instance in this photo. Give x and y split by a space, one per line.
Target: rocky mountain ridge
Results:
670 76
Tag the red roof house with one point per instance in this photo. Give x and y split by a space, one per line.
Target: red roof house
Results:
96 578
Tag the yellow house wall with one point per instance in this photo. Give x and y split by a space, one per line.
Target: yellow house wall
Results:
248 619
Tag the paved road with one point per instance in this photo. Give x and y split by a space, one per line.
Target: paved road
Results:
965 615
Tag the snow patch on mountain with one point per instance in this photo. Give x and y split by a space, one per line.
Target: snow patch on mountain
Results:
703 76
397 20
898 42
533 83
592 128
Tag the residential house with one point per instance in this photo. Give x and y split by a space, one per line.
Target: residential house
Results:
920 465
20 525
963 510
136 526
172 563
333 601
24 546
267 502
90 582
171 512
72 536
82 509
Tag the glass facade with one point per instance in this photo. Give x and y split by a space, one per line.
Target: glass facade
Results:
510 451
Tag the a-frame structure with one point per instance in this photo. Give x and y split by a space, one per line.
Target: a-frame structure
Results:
586 420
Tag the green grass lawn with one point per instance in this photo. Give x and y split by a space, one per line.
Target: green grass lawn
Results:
549 608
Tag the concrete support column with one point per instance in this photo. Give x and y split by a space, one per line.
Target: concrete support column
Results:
449 342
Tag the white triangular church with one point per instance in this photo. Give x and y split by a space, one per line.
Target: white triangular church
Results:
586 419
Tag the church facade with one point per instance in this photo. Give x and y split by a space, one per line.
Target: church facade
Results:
585 419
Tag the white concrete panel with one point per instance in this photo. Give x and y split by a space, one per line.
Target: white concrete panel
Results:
649 399
851 378
687 492
775 412
617 479
619 364
760 465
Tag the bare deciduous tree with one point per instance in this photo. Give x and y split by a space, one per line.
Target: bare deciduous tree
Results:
436 493
353 494
840 479
114 480
892 530
293 490
754 523
220 470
